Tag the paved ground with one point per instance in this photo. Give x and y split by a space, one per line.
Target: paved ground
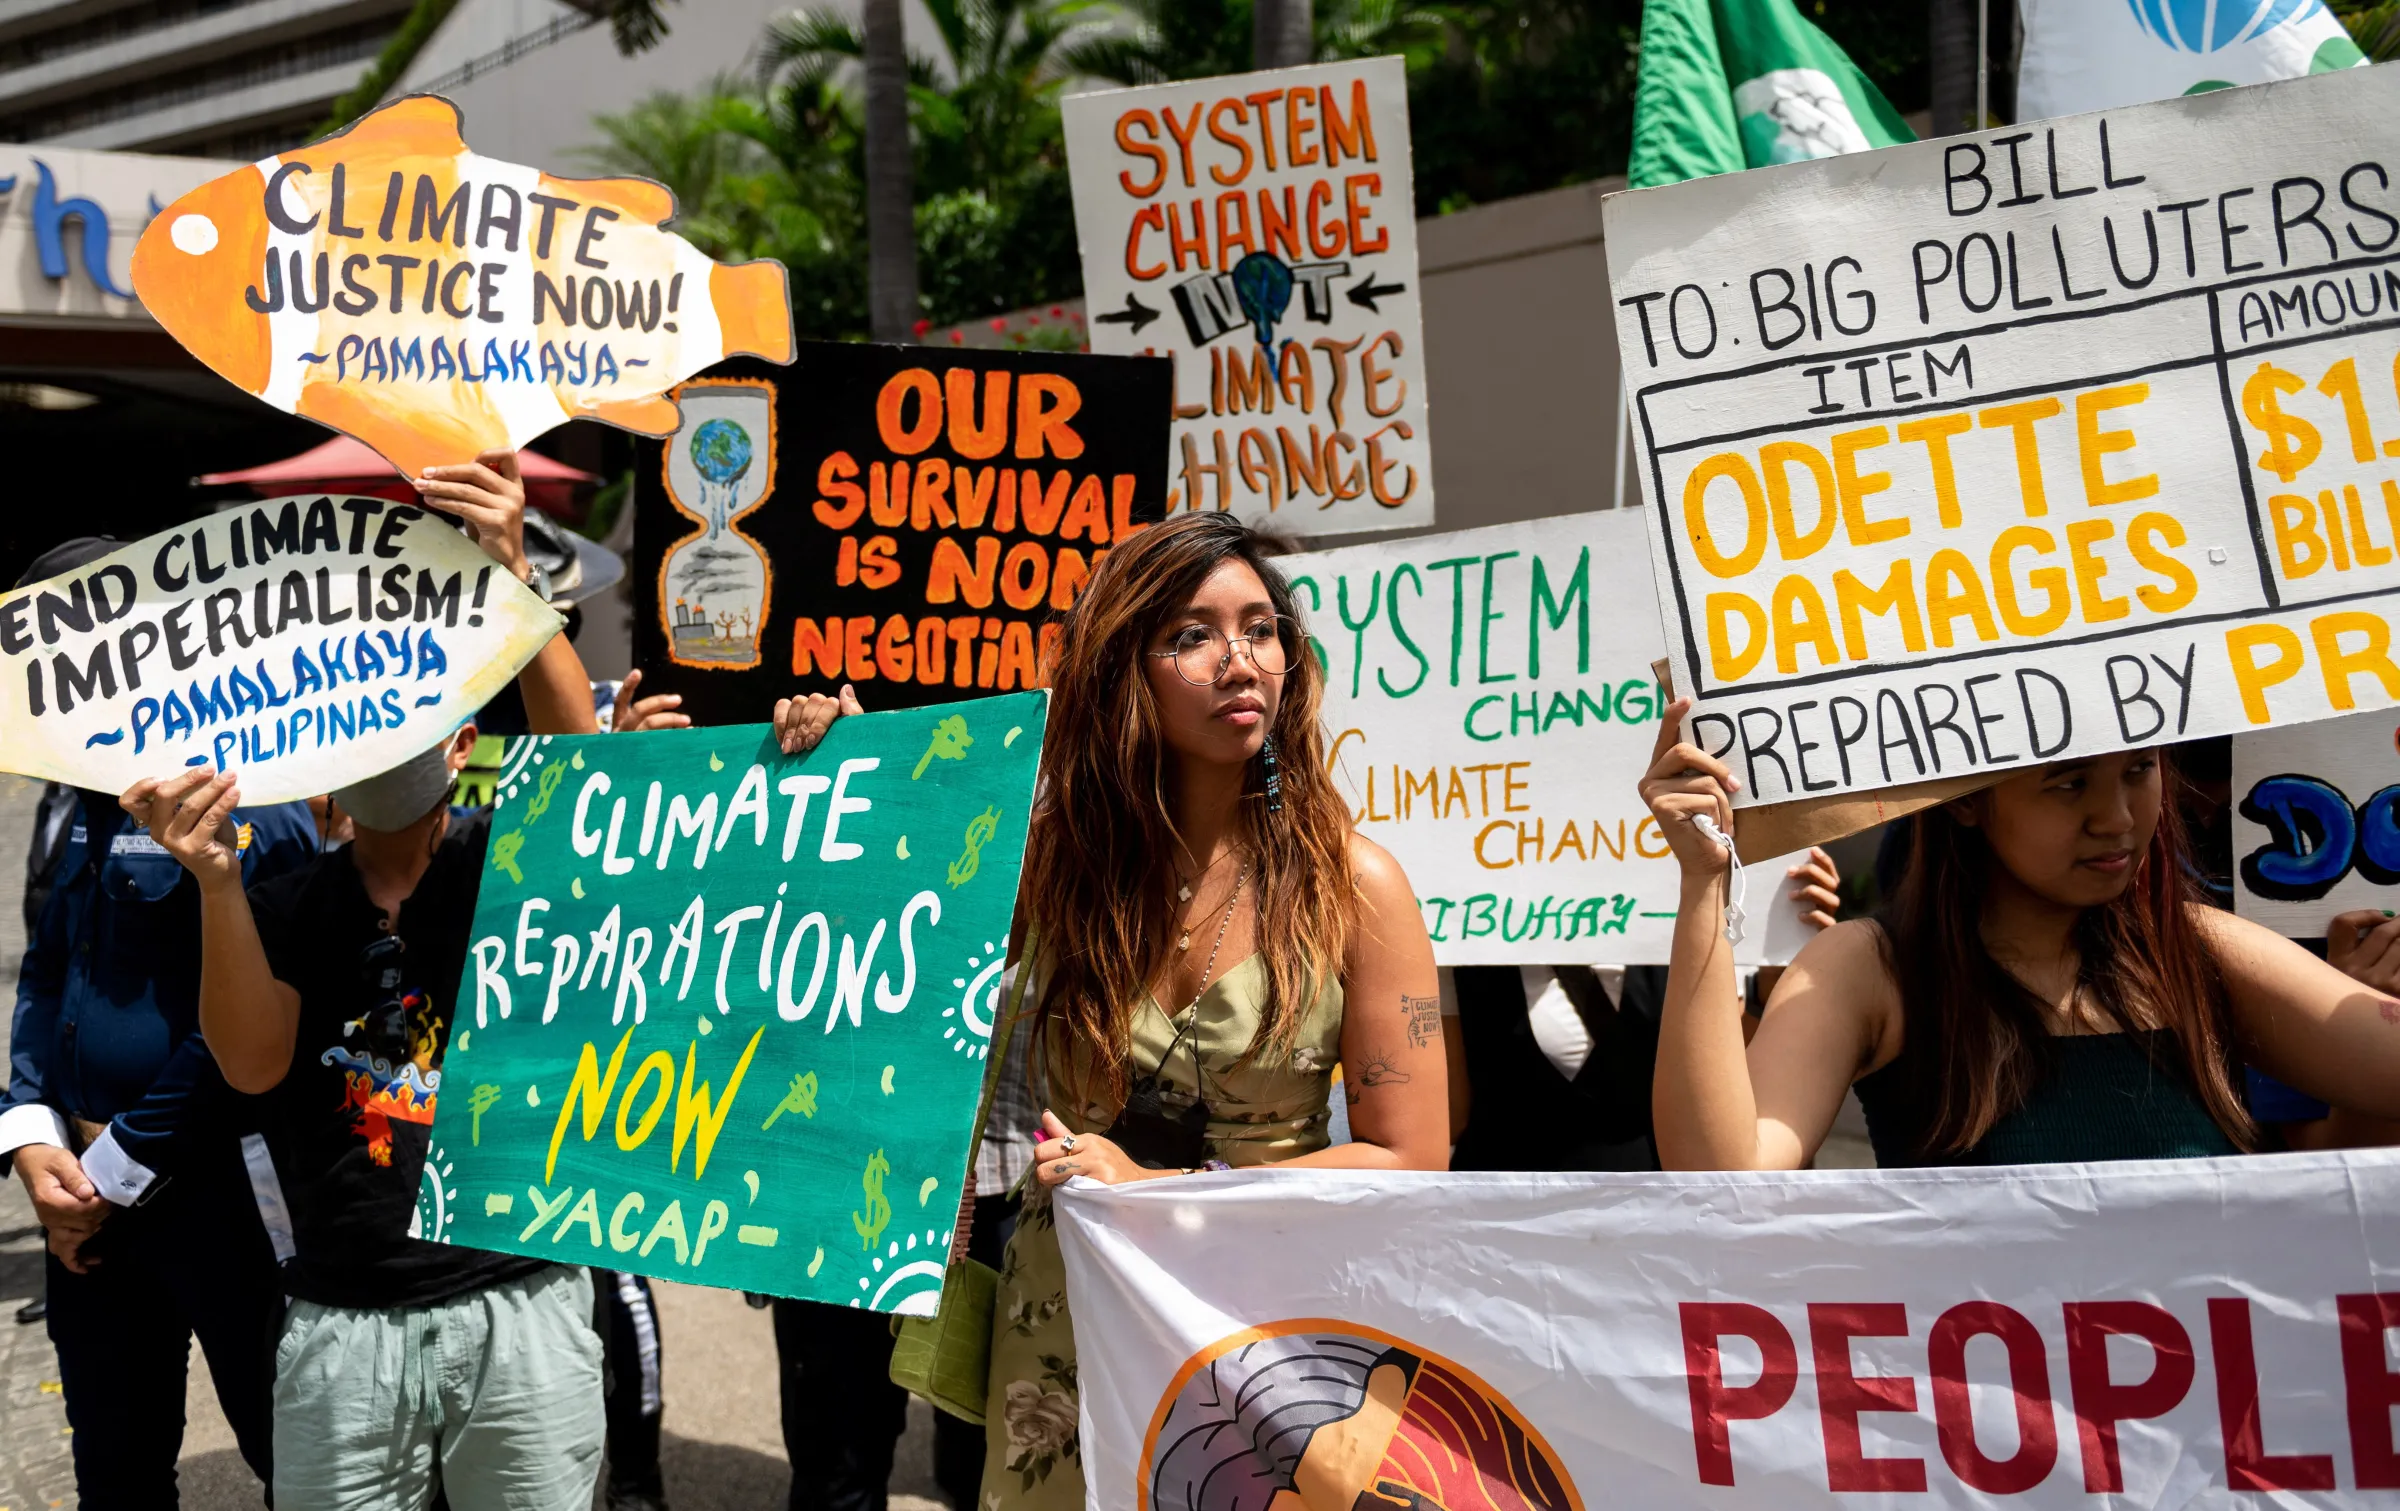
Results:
723 1446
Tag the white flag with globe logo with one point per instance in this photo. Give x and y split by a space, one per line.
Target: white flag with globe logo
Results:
2094 54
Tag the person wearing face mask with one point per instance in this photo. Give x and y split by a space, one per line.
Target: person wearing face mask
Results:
129 1143
405 1366
1210 939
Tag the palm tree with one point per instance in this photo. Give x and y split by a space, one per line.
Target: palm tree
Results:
891 197
990 207
1158 40
1281 33
1950 39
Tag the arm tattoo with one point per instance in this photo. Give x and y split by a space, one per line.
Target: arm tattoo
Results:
1424 1020
1378 1070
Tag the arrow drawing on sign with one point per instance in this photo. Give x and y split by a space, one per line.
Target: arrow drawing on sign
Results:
1135 313
1368 292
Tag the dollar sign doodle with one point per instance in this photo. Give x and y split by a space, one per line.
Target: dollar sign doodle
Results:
2292 443
879 1211
551 777
979 834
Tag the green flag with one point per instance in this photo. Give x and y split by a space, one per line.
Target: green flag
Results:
1732 84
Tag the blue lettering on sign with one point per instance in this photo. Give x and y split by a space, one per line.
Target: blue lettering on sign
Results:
50 217
2315 837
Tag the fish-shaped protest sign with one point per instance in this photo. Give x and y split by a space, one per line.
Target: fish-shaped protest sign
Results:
435 303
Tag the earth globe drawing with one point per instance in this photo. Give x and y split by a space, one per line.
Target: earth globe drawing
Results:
721 454
2213 25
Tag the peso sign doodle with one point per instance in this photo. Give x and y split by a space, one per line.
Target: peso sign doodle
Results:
436 303
1261 230
727 1011
1489 711
304 642
2028 443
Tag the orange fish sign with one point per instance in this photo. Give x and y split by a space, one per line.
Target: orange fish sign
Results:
433 303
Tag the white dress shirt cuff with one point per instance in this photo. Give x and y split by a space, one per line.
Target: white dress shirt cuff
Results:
32 1123
116 1175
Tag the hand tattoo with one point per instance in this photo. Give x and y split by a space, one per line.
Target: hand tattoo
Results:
1424 1020
2391 1011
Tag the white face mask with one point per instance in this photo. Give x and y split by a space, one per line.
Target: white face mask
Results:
399 797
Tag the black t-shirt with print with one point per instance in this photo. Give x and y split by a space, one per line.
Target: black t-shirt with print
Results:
354 1118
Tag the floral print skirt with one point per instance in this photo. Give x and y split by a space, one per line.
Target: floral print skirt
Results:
1030 1455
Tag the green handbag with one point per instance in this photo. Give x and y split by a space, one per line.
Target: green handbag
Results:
947 1358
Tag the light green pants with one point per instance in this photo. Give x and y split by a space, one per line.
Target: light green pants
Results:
493 1395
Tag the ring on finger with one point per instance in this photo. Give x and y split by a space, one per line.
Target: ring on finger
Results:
1067 1143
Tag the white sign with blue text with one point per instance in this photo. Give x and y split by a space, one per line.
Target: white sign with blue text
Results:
306 643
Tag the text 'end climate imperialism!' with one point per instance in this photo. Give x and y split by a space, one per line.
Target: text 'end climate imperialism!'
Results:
305 643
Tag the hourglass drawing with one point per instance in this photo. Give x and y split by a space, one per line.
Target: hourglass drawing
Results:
715 583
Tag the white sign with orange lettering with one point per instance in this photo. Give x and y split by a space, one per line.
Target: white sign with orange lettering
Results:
1261 230
2029 443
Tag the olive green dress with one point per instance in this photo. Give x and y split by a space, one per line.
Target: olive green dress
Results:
1260 1113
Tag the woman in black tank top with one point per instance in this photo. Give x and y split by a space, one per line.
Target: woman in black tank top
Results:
2047 986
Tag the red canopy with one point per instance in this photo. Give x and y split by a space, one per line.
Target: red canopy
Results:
351 466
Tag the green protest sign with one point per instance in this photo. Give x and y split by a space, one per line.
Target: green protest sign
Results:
727 1012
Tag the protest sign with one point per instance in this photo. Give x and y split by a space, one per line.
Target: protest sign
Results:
908 520
2029 443
306 643
435 303
2316 821
2180 1333
1261 230
1489 712
798 957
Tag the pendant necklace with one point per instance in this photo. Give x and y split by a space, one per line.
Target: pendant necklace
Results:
1183 894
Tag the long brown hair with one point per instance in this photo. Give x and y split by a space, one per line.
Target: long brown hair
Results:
1099 859
1974 1043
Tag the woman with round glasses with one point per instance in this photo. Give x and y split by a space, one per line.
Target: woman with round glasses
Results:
1184 799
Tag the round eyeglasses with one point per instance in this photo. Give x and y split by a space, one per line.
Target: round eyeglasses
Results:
1202 654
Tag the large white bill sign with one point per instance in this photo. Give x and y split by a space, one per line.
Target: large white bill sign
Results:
306 643
2186 1333
2029 443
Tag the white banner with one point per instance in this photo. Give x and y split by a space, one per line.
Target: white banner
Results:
1261 230
2316 821
2185 1333
1490 710
306 643
2026 444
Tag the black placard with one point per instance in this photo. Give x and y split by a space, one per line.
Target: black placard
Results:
906 519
